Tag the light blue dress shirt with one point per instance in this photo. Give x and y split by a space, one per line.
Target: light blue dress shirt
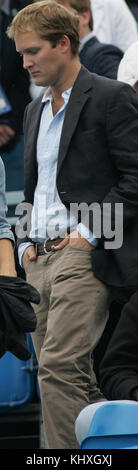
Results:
50 218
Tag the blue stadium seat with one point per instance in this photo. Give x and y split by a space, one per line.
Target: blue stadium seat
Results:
114 425
17 380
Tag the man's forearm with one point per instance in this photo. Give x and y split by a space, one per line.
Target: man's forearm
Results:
7 261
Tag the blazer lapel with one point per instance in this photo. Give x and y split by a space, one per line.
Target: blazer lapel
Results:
78 98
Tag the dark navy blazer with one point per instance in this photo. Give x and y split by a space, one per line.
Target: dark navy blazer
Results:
101 58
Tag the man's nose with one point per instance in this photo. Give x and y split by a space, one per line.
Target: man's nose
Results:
27 62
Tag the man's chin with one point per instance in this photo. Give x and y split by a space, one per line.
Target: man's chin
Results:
37 82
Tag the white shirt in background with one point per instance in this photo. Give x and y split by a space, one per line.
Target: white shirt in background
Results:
114 23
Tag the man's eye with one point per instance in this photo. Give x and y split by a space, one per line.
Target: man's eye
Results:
33 51
29 52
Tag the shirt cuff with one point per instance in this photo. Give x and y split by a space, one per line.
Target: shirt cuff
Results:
21 250
87 234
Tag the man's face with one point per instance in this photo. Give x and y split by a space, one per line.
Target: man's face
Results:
44 62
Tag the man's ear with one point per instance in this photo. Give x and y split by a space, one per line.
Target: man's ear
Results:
85 17
64 42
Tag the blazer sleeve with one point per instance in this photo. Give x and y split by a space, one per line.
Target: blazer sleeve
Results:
121 135
119 111
104 60
122 130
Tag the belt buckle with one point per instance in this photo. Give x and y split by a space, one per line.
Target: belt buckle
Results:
45 250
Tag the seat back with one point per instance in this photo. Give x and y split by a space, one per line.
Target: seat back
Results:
114 425
17 380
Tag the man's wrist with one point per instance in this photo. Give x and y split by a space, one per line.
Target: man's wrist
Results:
21 249
87 234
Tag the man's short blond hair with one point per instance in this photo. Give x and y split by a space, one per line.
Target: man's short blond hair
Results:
50 21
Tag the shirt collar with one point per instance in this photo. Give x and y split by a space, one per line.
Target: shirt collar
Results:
48 95
5 7
85 39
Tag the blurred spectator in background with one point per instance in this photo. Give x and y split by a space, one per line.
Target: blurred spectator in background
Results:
99 58
133 5
119 367
128 67
14 96
114 23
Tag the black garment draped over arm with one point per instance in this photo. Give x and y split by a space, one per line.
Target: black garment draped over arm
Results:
17 315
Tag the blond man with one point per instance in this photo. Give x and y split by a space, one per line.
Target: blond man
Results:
80 154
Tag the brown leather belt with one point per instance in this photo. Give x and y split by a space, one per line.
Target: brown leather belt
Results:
47 246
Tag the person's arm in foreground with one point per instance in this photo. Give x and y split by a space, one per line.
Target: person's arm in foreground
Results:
7 261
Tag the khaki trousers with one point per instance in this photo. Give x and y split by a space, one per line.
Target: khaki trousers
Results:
70 320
